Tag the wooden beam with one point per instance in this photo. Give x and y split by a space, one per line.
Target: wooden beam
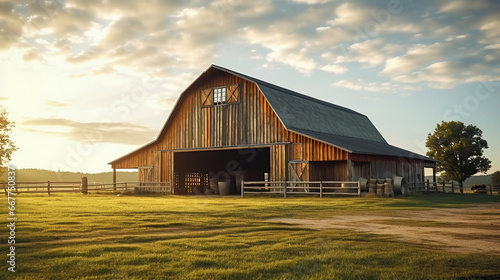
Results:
114 178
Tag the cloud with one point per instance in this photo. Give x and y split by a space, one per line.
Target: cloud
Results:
285 47
52 103
388 87
337 69
170 37
370 53
167 102
444 74
95 71
417 56
350 14
11 26
92 132
32 55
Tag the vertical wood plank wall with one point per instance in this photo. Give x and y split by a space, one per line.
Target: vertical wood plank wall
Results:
383 166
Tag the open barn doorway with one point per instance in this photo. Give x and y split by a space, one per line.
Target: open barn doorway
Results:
196 172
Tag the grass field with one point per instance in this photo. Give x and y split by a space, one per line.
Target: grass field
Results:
95 236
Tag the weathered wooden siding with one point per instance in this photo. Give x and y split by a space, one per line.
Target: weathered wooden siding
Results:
384 166
328 170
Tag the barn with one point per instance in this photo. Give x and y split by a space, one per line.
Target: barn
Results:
227 124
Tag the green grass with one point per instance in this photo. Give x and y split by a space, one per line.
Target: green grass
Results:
74 236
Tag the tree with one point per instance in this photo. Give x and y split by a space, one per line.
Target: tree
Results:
7 146
459 148
495 179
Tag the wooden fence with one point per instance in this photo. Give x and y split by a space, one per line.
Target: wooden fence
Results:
84 187
318 188
447 187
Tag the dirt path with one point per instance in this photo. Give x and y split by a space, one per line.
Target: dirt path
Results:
460 230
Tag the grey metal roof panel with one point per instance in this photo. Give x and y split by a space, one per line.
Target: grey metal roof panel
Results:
304 112
361 146
298 112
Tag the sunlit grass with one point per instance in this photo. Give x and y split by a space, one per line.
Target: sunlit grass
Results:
170 237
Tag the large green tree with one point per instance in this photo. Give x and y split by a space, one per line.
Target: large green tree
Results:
459 148
7 146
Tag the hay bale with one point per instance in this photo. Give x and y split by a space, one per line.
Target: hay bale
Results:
372 188
380 189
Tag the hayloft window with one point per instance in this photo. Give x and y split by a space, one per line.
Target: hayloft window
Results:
225 95
220 96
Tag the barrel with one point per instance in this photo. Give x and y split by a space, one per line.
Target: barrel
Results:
214 187
400 186
224 188
363 184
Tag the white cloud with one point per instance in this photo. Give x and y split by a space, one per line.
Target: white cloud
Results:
417 56
337 69
460 6
166 36
91 133
387 87
350 14
370 53
437 75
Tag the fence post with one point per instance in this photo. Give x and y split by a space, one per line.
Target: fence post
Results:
491 190
242 187
84 185
444 190
48 187
427 186
359 189
452 187
284 194
321 189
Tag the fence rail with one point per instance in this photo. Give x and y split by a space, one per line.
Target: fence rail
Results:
84 187
449 187
285 188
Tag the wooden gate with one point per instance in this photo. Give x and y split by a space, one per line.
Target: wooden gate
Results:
298 172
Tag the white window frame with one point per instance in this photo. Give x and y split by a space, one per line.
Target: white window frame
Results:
220 96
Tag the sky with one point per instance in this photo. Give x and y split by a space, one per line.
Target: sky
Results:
88 81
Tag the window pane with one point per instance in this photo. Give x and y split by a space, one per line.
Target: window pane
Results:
220 95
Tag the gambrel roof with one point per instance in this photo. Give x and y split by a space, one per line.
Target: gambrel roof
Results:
326 122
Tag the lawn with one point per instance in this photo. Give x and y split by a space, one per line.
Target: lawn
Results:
98 236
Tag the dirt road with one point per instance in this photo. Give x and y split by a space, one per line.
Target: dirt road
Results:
460 230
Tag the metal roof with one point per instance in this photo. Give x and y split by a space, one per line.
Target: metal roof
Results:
326 122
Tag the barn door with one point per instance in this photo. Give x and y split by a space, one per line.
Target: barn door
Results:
157 167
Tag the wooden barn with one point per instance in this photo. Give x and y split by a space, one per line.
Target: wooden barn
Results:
227 121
